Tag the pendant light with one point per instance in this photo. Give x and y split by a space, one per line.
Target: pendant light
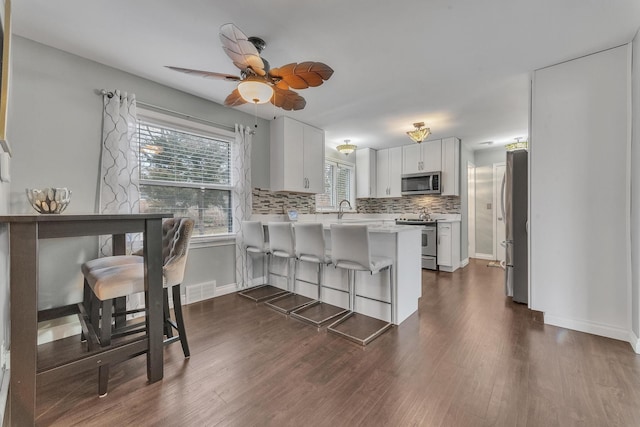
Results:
346 148
420 133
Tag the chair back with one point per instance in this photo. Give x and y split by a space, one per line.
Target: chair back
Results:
350 246
253 234
176 234
310 241
281 240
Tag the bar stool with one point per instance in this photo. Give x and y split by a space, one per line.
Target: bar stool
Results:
311 247
254 242
119 280
281 244
350 250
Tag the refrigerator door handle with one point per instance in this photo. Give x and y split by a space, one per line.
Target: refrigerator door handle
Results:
504 183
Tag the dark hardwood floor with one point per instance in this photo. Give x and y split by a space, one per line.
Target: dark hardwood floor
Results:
469 357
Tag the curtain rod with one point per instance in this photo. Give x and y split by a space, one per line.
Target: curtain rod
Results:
176 113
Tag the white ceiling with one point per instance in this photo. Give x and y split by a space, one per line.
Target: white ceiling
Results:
461 66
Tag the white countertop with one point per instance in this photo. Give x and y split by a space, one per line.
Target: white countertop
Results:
332 218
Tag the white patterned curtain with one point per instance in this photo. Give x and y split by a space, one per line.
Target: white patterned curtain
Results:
119 174
241 199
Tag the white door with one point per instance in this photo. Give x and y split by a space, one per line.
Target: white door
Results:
498 217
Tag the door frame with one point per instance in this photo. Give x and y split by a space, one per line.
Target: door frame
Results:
471 209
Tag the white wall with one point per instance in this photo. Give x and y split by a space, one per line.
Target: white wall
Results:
635 196
489 156
55 122
579 179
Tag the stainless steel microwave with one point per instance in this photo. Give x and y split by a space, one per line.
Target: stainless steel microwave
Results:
421 183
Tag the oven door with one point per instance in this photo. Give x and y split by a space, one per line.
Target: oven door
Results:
429 241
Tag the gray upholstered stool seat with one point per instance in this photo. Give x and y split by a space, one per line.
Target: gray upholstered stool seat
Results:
350 250
281 245
110 261
311 248
255 244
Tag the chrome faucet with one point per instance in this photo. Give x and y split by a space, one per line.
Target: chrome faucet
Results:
340 211
424 216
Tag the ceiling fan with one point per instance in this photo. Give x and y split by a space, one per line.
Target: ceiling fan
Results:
258 83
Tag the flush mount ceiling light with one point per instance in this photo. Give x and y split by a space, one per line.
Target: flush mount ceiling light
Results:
518 145
255 91
420 133
346 148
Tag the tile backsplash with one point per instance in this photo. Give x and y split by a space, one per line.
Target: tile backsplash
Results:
411 204
266 202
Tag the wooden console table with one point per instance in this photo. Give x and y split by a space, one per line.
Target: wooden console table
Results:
24 233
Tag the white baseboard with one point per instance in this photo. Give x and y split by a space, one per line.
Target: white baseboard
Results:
587 326
464 262
226 289
59 331
488 257
257 281
634 341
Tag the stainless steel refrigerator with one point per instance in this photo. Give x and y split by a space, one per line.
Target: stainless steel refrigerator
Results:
515 211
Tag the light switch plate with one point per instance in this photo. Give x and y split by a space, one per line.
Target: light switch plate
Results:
5 172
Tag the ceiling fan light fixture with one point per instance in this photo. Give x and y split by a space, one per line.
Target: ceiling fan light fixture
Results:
255 91
346 148
420 133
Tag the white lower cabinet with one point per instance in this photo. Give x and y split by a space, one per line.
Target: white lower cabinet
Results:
449 246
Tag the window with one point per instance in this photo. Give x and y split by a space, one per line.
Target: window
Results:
339 184
186 171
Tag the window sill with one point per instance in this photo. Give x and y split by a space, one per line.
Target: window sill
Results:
212 241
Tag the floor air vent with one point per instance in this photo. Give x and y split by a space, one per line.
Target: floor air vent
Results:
203 291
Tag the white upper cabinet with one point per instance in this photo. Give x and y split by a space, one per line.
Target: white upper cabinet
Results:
389 172
450 182
423 157
297 156
366 173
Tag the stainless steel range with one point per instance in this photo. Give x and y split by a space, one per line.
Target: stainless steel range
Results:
429 240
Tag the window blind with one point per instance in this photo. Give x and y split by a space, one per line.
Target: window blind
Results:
174 156
186 174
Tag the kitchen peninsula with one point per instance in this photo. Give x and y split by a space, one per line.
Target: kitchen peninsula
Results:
398 242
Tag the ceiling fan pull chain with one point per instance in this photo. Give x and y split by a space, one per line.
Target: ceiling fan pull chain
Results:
255 105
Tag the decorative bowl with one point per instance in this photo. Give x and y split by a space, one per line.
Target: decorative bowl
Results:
49 200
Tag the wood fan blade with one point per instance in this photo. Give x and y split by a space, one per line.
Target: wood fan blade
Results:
303 75
234 99
287 99
241 51
206 74
282 85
